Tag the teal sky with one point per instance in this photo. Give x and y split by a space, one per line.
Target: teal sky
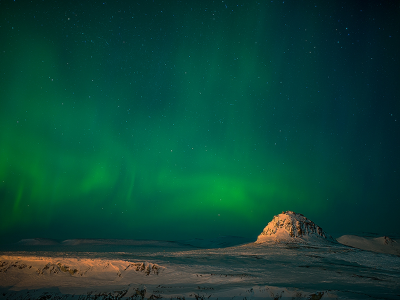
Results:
179 119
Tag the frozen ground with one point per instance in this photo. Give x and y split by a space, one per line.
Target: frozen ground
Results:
179 271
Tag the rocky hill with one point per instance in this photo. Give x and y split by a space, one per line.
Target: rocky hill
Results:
290 227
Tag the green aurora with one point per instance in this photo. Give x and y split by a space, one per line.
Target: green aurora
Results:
170 120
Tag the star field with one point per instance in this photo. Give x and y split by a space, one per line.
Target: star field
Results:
172 119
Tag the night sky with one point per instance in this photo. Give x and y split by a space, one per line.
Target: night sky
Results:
179 119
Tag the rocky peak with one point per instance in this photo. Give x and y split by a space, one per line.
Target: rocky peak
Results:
291 226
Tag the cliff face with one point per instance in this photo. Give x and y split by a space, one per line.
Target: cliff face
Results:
291 226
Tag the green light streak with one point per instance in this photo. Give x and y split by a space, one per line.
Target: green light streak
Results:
206 114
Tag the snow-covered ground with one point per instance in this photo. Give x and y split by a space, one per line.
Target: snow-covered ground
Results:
293 258
251 271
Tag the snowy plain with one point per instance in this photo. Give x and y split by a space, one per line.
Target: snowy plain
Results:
118 269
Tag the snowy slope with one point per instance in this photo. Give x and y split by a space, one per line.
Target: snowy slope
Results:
292 227
382 244
252 271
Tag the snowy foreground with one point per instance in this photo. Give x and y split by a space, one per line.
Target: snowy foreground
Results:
251 271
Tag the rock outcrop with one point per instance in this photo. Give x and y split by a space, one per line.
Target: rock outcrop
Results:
290 227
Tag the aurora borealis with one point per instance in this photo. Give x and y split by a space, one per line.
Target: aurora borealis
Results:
177 119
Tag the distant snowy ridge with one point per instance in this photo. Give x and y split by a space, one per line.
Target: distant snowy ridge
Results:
120 242
292 227
100 242
382 244
218 242
38 241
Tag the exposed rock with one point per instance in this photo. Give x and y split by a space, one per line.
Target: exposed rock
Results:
291 226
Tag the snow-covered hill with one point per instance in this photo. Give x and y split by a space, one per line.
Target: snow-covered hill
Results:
292 227
381 244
